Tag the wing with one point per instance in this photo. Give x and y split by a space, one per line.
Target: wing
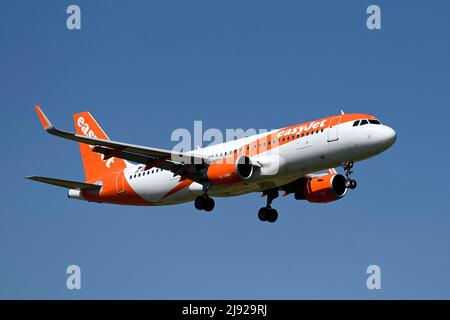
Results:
187 165
66 183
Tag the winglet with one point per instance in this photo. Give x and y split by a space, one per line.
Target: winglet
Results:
44 120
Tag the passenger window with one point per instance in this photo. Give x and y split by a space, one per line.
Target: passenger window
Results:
363 122
373 121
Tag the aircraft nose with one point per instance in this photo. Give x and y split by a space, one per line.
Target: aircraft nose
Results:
389 136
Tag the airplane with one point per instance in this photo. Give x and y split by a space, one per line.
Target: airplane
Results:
298 159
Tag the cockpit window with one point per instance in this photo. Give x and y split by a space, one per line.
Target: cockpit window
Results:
355 123
373 121
363 122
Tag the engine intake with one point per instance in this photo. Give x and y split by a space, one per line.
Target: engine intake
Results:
244 167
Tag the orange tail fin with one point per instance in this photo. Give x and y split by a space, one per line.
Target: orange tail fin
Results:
94 165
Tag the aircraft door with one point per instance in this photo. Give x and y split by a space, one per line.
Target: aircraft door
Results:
120 182
333 131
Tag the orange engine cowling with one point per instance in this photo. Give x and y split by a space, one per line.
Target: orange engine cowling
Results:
221 172
325 188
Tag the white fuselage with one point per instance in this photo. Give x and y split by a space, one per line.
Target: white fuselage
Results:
328 148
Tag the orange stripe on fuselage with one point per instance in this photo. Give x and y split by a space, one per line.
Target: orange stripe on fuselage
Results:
183 184
116 190
285 135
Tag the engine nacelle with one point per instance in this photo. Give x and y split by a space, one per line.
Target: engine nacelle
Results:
323 189
224 172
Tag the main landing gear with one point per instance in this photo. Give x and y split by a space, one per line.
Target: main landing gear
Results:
204 203
349 183
267 213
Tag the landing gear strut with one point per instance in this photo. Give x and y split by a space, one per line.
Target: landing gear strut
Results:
267 213
349 183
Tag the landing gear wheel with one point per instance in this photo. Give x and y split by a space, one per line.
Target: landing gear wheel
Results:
199 202
204 203
262 214
273 215
350 183
267 214
209 204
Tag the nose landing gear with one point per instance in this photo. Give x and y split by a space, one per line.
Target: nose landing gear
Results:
349 183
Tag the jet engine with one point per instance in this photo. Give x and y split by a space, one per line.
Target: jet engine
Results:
322 189
223 171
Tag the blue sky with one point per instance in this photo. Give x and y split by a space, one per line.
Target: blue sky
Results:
145 68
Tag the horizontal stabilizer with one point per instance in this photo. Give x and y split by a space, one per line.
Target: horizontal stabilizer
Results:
66 183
